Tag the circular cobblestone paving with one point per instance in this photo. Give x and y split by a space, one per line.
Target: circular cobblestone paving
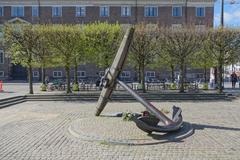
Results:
115 130
70 131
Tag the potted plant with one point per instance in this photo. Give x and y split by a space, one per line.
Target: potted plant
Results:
75 87
43 87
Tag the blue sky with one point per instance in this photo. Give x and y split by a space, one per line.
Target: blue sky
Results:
231 13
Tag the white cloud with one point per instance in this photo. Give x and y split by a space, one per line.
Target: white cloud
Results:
217 19
234 18
237 14
230 18
231 14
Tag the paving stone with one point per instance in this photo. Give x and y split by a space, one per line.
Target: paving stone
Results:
40 130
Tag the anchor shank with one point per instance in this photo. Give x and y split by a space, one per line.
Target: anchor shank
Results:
147 104
114 71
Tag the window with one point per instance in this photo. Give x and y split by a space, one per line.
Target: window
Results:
200 11
177 11
104 11
57 11
125 11
80 11
1 11
1 57
151 11
1 74
57 73
35 11
35 74
150 74
17 11
81 74
125 74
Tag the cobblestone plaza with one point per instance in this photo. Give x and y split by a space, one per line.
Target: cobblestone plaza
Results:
42 130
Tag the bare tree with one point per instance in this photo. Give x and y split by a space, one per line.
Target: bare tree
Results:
62 41
180 44
167 62
203 59
143 50
21 43
79 53
102 41
44 57
224 45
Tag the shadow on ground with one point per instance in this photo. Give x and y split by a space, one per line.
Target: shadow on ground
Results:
185 132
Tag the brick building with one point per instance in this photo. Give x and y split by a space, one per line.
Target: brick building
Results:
172 13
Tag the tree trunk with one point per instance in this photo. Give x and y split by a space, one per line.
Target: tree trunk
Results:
185 71
30 80
139 74
172 73
220 77
75 73
43 74
143 78
205 74
215 77
106 63
182 69
68 79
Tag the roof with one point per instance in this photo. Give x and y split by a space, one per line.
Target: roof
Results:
108 2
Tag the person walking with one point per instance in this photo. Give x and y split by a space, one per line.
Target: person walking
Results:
239 81
234 79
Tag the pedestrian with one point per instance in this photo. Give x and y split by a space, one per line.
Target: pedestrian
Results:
238 81
234 79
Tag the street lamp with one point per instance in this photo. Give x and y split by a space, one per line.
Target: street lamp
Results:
136 11
39 11
222 13
231 2
186 12
222 20
222 26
